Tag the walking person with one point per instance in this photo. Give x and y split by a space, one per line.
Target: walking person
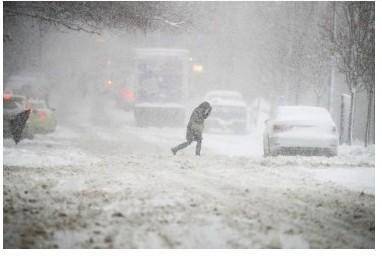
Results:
195 128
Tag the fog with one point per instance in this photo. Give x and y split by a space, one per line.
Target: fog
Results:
260 49
264 50
104 177
243 46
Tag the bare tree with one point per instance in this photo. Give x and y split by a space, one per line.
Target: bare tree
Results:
71 15
286 42
351 43
316 68
300 25
93 17
368 53
316 72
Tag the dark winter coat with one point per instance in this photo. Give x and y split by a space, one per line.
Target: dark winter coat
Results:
196 124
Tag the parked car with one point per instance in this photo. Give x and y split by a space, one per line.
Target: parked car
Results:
42 118
303 130
28 84
229 112
16 117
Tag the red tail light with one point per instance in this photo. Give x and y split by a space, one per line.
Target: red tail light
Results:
42 115
127 94
7 96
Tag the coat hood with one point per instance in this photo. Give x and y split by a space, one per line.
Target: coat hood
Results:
205 105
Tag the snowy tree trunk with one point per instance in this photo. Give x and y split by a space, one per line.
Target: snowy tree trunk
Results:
332 64
370 96
344 119
351 117
373 120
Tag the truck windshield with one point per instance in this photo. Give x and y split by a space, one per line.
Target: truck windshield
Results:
160 79
228 112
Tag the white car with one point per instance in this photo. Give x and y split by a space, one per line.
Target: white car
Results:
229 112
302 130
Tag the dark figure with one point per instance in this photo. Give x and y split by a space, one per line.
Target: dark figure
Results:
195 128
18 124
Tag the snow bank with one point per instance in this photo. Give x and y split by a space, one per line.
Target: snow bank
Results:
348 156
46 151
360 179
45 157
359 151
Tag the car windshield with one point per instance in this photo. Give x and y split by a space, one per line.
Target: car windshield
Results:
18 99
227 112
40 105
159 79
9 104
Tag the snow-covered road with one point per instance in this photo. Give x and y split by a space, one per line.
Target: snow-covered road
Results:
119 186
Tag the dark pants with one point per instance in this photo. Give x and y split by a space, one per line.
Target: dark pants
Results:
185 144
191 136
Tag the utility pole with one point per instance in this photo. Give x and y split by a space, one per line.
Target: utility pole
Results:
333 63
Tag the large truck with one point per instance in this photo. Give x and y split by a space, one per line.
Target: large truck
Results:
161 86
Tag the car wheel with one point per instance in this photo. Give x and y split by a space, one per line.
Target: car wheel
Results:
331 154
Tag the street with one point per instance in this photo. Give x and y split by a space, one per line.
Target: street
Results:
114 185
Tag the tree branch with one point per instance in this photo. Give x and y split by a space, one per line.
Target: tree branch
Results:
54 21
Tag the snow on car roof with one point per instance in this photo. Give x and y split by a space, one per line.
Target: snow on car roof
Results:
225 98
224 93
225 102
303 113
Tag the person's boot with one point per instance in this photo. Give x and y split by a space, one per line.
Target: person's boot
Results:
179 147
